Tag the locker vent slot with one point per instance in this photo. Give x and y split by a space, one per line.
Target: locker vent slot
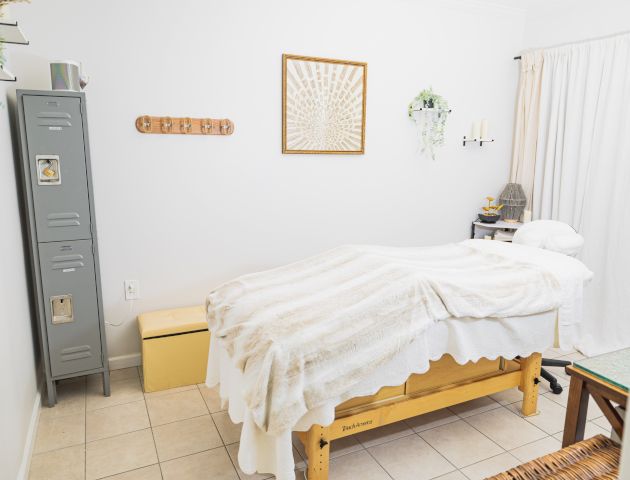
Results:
53 114
63 223
63 219
54 119
66 258
60 262
74 353
63 266
53 123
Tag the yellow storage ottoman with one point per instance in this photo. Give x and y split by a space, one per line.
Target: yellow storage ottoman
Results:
175 347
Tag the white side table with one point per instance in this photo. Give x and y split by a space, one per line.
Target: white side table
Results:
493 227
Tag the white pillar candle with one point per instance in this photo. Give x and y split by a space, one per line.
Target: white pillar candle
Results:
527 216
475 130
484 128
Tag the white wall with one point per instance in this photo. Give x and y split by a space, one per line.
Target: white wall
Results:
18 390
183 214
555 22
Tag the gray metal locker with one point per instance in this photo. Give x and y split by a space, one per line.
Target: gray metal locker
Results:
62 234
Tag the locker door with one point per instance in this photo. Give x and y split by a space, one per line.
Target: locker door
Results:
56 157
69 289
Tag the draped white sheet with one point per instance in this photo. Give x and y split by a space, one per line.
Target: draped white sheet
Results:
582 173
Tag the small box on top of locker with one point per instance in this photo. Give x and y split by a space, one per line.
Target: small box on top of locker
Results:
59 203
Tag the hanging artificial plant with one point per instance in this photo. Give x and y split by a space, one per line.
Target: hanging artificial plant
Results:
431 120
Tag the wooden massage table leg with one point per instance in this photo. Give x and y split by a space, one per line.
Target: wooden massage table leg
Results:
530 371
317 446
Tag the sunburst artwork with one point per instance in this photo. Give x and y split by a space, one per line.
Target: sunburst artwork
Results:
323 105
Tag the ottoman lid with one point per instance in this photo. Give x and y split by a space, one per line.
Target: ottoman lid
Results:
172 321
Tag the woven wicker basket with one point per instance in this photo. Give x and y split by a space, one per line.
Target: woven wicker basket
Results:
595 458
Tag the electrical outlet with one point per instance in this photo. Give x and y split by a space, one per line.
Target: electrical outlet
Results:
131 290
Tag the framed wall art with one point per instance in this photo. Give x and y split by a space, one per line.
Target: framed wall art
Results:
323 105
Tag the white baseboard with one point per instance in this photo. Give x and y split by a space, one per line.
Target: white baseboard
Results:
29 444
125 361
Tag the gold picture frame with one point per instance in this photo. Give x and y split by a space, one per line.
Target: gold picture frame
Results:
323 105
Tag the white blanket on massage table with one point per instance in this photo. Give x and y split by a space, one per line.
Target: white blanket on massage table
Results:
313 331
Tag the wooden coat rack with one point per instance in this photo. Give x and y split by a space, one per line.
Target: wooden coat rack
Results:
184 125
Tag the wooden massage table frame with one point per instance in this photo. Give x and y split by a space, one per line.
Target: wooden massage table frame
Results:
446 383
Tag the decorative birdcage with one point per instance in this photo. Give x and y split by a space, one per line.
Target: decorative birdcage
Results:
514 201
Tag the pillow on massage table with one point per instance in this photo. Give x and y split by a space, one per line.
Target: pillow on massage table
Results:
550 235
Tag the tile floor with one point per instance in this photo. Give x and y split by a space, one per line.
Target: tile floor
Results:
183 434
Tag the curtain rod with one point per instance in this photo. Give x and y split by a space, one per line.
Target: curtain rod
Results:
604 37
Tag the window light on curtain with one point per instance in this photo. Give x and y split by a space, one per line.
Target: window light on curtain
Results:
572 155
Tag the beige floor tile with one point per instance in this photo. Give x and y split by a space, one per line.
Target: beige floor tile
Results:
559 373
342 446
557 352
233 452
114 375
177 406
431 420
70 401
116 420
552 353
508 396
410 458
65 381
297 445
300 464
152 472
603 423
119 454
593 411
161 393
473 407
550 418
230 432
65 464
491 466
590 430
211 397
572 357
186 437
122 391
500 425
358 465
213 464
384 434
460 443
456 475
537 449
60 432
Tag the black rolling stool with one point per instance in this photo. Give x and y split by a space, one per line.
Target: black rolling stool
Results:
553 381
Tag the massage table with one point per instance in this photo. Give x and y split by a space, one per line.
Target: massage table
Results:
455 360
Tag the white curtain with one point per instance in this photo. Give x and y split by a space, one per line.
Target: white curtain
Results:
526 123
582 173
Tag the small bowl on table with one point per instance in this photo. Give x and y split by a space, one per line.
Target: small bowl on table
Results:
489 218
